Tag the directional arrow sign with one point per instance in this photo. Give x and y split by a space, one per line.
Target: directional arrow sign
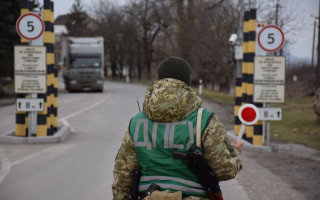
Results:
270 114
30 104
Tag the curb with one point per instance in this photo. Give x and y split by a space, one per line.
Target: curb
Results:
248 146
7 101
59 136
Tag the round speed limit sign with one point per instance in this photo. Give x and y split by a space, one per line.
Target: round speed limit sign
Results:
30 26
271 38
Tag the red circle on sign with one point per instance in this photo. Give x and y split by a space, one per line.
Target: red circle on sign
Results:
282 38
248 114
21 34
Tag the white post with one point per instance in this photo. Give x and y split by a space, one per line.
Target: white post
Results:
33 118
268 130
243 127
200 87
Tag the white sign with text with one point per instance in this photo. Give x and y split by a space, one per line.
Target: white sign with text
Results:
30 69
30 104
269 79
270 114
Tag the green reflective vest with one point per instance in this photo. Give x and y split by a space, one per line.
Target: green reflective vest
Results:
155 143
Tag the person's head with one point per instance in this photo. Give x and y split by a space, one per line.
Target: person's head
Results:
175 67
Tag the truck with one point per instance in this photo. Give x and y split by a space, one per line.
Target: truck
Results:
83 63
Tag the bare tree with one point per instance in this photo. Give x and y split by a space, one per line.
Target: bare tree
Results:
202 31
110 22
147 14
132 47
146 31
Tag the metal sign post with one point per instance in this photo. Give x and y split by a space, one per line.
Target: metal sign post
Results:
270 114
269 83
269 74
30 64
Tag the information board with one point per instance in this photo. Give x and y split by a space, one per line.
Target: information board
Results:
30 69
269 79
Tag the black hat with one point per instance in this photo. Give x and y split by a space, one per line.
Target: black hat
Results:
175 67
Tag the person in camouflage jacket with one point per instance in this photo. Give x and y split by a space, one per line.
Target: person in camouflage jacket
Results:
171 99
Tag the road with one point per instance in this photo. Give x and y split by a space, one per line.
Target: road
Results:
80 167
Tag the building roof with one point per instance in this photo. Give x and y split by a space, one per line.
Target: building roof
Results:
61 20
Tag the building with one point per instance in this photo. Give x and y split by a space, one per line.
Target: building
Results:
60 31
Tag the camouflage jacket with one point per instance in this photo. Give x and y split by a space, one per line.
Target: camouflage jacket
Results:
169 100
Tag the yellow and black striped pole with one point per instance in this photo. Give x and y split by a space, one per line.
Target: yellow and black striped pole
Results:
55 80
247 54
47 119
50 103
42 122
255 131
241 82
244 94
22 121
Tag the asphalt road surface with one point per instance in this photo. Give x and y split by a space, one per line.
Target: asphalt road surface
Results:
80 167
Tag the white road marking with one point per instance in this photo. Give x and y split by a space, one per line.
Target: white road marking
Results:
85 109
5 165
19 161
63 120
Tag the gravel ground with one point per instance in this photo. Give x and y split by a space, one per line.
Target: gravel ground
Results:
289 172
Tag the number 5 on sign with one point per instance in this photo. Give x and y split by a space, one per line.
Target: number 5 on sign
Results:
271 38
30 26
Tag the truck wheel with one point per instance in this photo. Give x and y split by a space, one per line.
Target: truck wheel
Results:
67 87
99 90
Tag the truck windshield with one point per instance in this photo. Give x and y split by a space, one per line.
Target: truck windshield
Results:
85 62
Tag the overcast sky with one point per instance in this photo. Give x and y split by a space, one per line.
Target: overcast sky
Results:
302 48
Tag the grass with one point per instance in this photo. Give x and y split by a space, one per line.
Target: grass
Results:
143 82
9 91
299 124
10 86
215 96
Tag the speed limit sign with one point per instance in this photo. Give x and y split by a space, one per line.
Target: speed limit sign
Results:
30 26
271 38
